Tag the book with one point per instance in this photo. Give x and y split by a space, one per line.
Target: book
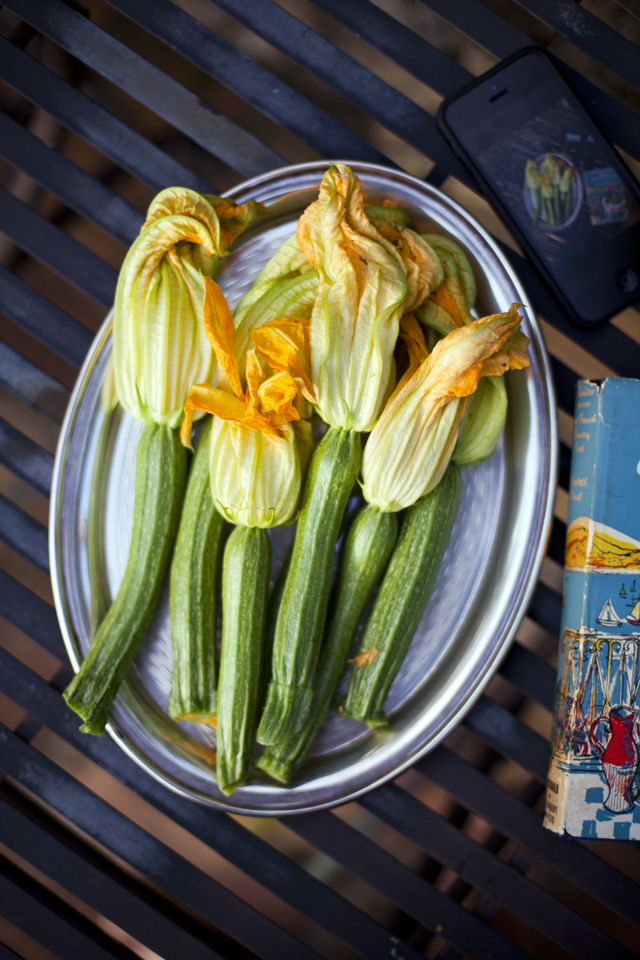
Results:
592 785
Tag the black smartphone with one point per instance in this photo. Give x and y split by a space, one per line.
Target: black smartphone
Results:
555 179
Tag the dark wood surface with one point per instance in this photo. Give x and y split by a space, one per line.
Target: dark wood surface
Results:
102 104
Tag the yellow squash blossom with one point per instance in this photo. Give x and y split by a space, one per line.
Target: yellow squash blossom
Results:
410 446
285 287
255 442
361 292
421 263
159 345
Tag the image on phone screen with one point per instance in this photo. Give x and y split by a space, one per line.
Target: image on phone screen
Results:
562 184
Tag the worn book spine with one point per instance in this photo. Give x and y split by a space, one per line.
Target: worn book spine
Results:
592 785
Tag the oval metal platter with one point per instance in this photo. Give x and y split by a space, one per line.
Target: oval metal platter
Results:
482 591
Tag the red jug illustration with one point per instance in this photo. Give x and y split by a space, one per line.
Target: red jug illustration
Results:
619 757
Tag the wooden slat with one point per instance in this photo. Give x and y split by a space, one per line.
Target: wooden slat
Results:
24 534
181 881
399 43
46 921
497 36
545 608
513 819
78 113
149 85
531 674
32 386
506 734
274 98
25 458
590 34
224 835
45 242
42 319
93 885
343 74
31 615
7 954
416 897
473 863
77 189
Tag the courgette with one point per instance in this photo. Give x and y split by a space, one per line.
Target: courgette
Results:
403 595
193 594
273 607
463 270
483 422
367 549
332 473
160 477
95 516
245 588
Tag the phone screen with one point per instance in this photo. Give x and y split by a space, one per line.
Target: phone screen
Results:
560 180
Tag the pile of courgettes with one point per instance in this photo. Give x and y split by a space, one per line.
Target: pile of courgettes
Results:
351 301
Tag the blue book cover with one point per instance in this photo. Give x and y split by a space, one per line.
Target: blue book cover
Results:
592 786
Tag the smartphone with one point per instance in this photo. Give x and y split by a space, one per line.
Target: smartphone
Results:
555 179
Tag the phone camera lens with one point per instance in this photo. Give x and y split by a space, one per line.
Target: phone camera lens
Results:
626 280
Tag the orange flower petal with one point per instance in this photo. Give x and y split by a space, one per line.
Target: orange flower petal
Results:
285 344
450 297
277 394
185 429
257 421
254 373
365 659
411 333
220 331
223 404
203 396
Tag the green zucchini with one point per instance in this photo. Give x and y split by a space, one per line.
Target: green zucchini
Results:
367 549
403 595
435 317
273 607
332 473
245 590
100 598
483 422
160 476
463 270
193 594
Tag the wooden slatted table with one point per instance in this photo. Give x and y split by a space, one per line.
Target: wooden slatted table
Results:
103 104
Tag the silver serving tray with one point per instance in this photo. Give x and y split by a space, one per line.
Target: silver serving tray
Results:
482 591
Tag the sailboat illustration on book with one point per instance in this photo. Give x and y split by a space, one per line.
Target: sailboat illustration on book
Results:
609 618
634 616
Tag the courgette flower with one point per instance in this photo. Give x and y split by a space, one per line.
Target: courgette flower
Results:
448 305
531 175
285 287
255 448
410 446
361 292
421 262
446 309
159 345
